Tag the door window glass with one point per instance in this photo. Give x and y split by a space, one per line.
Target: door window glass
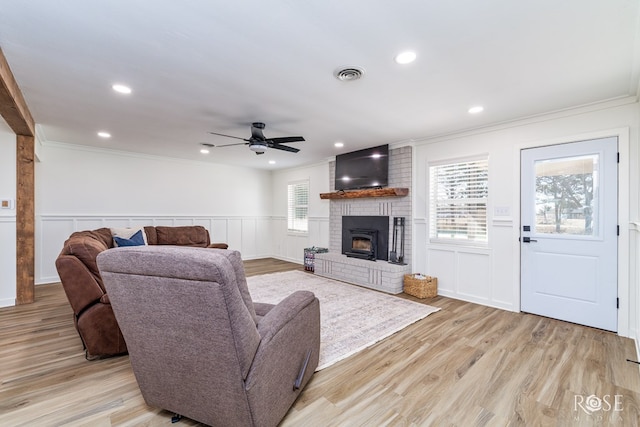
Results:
567 196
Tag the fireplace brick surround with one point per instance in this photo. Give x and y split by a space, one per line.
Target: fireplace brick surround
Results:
379 275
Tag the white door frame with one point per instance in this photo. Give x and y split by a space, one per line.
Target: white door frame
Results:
623 215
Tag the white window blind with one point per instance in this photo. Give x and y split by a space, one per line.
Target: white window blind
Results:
298 206
458 200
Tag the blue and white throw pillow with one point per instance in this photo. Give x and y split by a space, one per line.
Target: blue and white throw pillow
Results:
135 240
125 237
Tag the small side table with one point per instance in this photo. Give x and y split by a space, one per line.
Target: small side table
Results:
310 256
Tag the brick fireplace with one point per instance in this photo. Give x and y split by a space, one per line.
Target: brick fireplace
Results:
378 274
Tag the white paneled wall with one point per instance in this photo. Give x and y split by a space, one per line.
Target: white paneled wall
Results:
290 246
254 237
490 274
8 261
81 188
7 216
461 272
250 235
634 289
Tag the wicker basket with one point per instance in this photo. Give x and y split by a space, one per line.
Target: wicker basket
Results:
425 287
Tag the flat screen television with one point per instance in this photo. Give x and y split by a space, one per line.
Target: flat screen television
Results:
368 168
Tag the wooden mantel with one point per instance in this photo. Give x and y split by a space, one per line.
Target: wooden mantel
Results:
371 192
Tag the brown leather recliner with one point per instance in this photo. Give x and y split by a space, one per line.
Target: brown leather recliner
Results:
199 346
83 285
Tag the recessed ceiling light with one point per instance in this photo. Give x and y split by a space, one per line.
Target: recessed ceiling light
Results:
477 109
120 88
272 162
339 144
103 134
204 151
405 57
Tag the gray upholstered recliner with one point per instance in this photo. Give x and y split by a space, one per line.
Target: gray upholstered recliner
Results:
199 346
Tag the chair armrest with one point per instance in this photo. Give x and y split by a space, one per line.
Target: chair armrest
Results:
262 308
78 283
283 313
288 332
218 246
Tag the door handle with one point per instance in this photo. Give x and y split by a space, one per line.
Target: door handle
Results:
528 240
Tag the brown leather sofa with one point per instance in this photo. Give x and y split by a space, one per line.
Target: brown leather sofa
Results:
80 277
198 344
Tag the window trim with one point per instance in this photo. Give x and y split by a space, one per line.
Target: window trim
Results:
430 197
293 231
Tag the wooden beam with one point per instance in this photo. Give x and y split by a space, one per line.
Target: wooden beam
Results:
13 107
372 192
25 220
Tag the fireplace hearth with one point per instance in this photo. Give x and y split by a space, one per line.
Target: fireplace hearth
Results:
365 237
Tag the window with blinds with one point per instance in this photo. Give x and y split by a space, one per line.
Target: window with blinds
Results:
458 200
298 207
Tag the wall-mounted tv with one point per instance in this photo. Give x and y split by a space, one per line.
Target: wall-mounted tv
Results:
368 168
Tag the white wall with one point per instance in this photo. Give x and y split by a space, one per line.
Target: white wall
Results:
494 278
80 188
7 216
289 246
635 281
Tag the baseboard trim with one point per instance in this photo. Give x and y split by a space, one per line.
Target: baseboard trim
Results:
7 302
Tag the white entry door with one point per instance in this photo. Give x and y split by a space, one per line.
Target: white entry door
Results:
569 232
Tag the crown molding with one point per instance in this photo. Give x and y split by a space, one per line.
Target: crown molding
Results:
132 154
538 118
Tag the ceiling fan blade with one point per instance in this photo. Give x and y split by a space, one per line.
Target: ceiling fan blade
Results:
284 148
259 142
228 136
286 139
231 145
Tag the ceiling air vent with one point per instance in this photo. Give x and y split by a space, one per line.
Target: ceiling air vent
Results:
348 74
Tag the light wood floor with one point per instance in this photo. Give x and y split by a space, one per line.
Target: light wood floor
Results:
466 365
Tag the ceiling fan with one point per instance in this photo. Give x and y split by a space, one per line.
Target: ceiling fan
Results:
258 143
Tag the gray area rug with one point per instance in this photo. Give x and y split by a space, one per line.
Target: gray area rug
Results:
352 318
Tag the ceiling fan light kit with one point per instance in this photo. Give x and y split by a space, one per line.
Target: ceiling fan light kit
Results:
258 148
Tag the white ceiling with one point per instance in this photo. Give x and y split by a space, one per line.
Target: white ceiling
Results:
202 65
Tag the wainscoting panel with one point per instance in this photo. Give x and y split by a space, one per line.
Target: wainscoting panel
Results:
250 235
319 232
420 235
219 229
634 289
50 236
7 261
441 263
463 273
474 275
290 246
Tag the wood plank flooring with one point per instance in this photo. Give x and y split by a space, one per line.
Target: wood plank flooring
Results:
466 365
